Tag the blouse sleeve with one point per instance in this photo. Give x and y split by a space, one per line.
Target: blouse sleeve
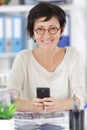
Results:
77 78
16 76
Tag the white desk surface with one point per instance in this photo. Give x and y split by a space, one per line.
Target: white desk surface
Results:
52 119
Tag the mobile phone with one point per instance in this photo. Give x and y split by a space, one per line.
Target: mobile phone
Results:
43 92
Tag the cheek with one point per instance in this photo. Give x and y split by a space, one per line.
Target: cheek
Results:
58 36
37 37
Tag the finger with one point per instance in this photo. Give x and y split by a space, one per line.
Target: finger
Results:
48 109
38 104
48 106
51 99
49 103
37 100
36 108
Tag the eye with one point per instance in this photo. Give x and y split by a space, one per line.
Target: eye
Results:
40 29
53 28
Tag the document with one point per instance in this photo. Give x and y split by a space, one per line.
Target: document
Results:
42 121
2 35
8 33
17 38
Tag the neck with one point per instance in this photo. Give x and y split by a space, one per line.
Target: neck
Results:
48 54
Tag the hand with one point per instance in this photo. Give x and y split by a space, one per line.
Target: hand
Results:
53 105
36 105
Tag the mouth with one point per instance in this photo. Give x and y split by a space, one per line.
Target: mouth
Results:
47 42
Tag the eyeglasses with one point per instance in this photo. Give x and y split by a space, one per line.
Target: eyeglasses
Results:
51 30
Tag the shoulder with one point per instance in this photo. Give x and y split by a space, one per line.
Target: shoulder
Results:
73 51
24 54
75 56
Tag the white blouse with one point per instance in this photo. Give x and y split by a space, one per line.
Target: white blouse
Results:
67 80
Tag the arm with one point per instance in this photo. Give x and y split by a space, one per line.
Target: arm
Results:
47 104
33 106
16 76
16 84
77 87
77 78
53 105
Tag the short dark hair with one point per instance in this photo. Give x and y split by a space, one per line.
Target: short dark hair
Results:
45 9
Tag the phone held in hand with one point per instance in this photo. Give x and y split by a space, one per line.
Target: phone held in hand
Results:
43 92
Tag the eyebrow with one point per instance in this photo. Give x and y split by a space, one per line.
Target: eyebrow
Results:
43 26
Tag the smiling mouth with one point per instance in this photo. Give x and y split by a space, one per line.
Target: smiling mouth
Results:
47 41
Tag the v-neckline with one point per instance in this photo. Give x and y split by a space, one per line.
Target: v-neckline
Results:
45 70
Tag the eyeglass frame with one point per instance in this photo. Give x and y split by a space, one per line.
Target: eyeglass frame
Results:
58 28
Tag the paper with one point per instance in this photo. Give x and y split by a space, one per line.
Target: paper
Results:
26 119
2 39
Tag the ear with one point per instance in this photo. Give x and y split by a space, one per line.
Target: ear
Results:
34 38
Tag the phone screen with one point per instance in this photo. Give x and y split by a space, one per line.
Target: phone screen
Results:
43 92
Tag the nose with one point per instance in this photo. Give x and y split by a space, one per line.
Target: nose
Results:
46 32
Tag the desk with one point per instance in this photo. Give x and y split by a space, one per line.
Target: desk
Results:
57 120
43 127
50 121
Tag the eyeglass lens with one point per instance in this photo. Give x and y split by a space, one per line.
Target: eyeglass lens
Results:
52 30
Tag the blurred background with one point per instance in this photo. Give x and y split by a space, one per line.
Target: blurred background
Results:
13 36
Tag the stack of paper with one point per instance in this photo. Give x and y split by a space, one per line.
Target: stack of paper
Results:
44 121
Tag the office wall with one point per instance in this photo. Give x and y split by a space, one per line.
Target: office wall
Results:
78 25
78 29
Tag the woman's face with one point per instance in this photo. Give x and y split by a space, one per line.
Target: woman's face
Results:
47 33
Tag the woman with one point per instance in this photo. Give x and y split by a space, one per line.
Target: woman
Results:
60 69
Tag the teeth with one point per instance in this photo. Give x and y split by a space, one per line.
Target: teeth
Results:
47 42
